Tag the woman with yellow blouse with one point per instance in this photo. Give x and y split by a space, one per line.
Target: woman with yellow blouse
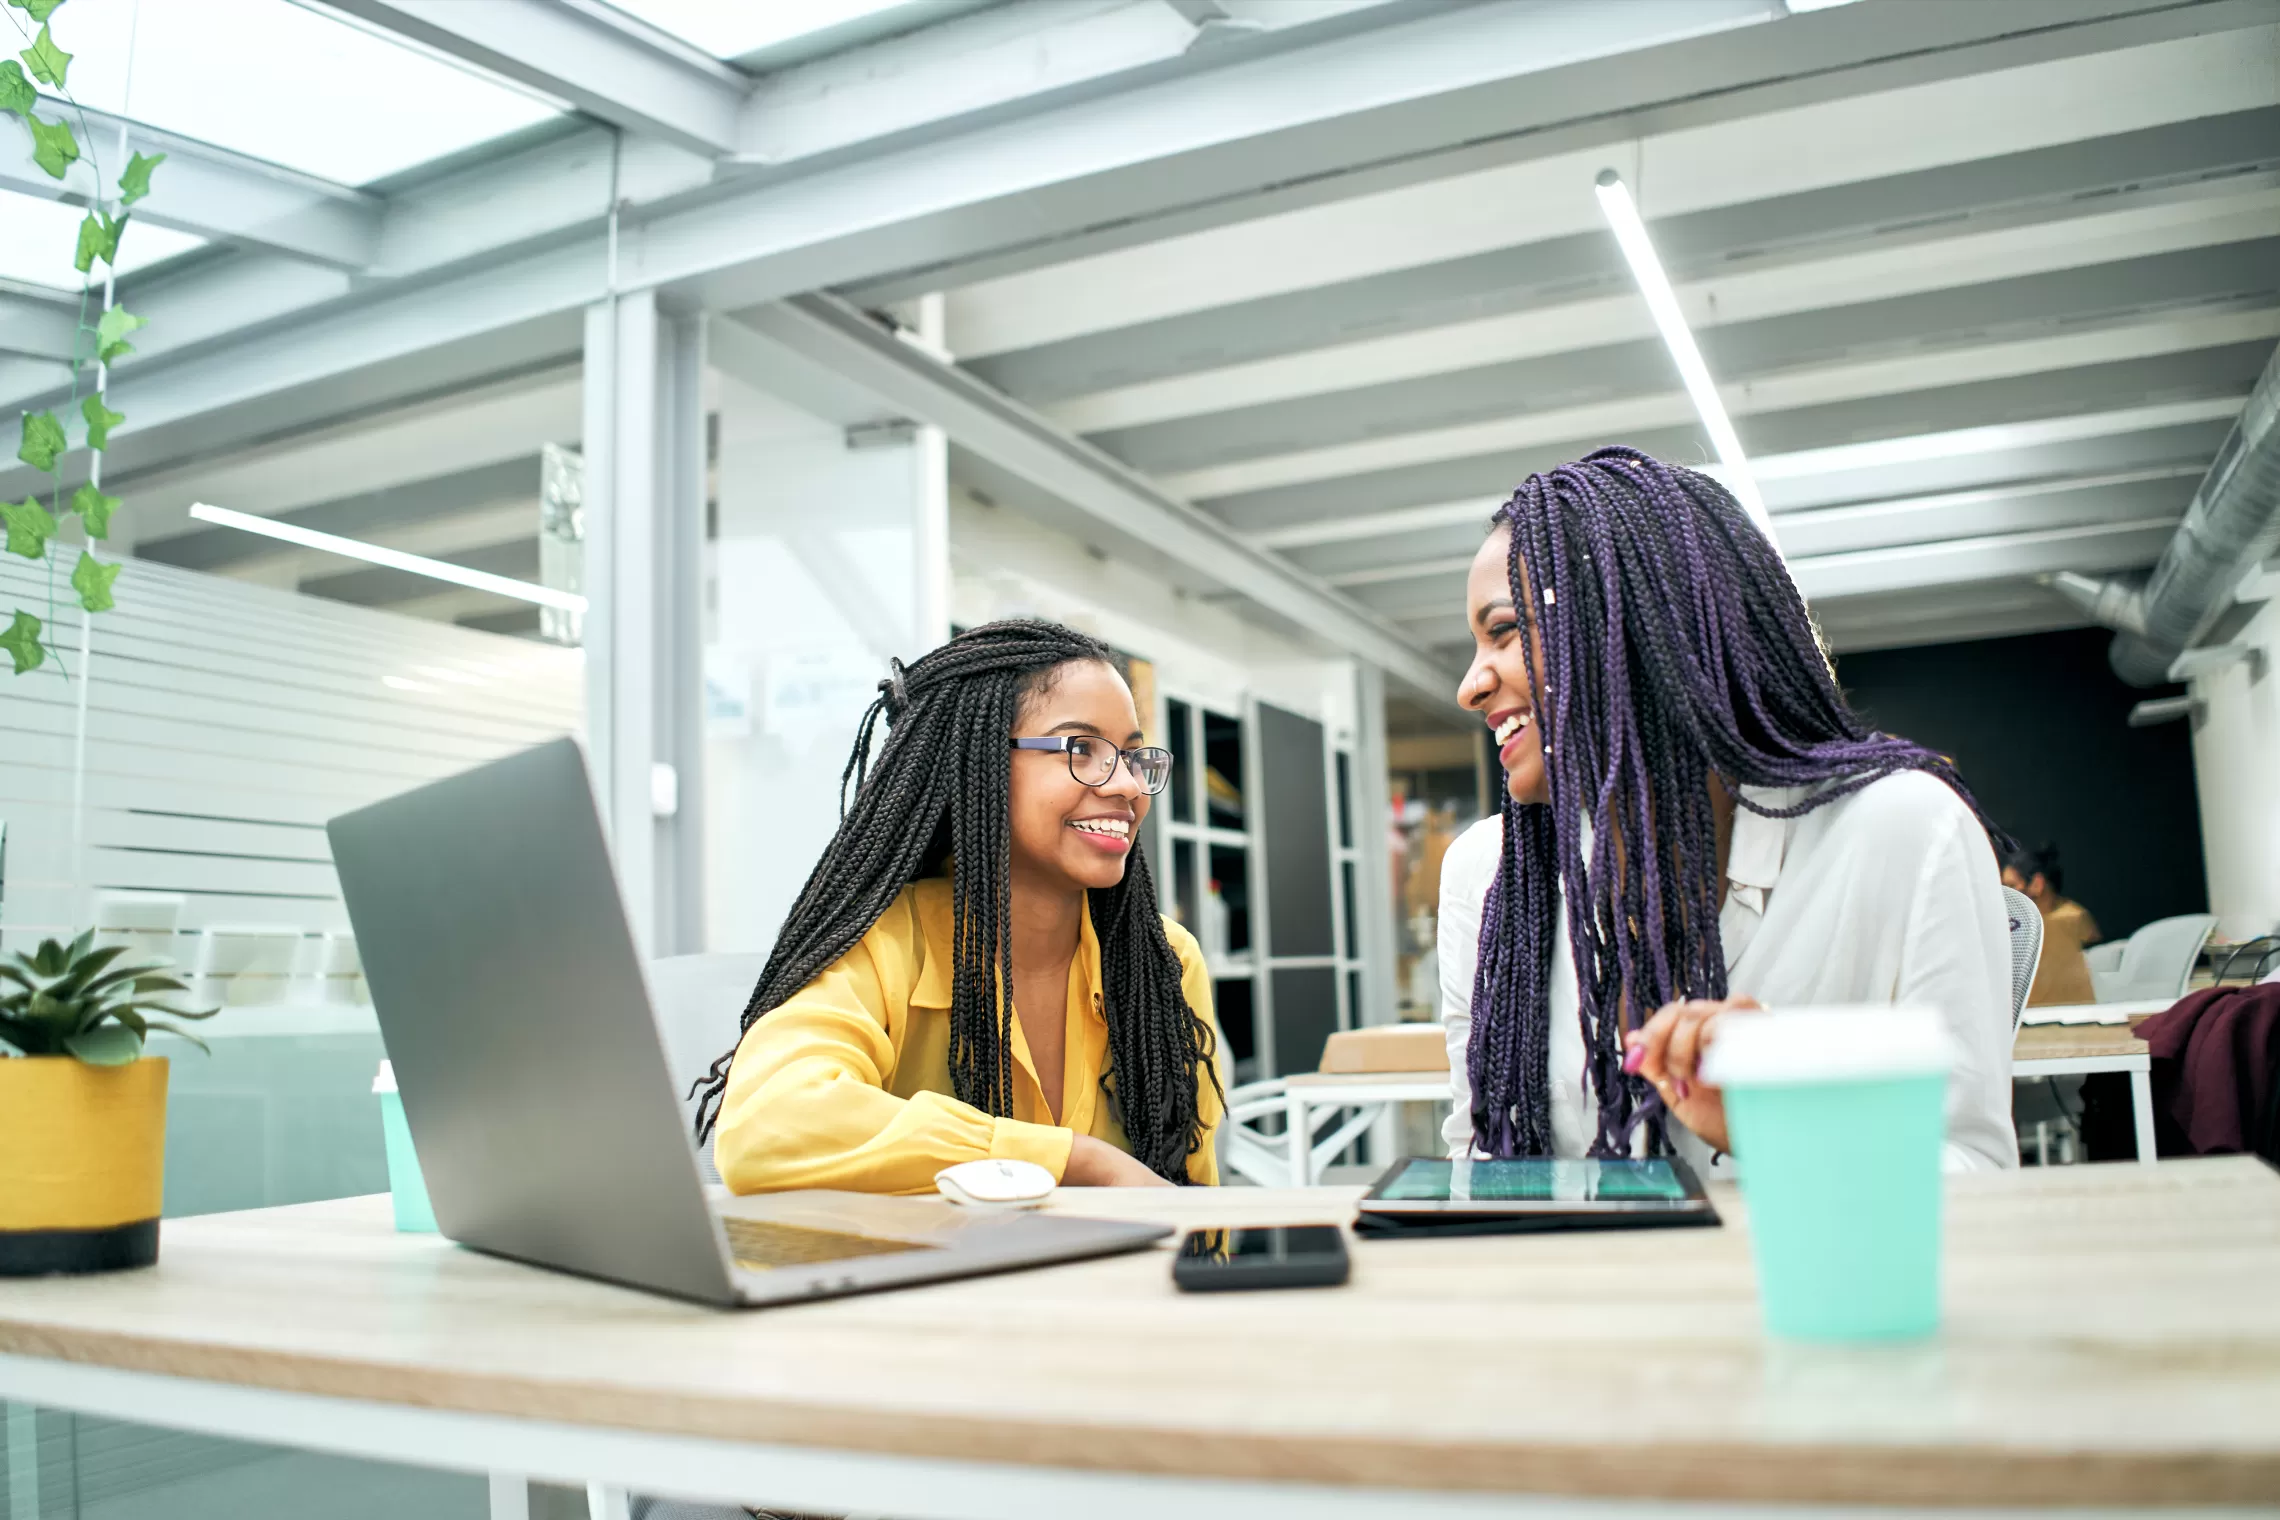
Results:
993 843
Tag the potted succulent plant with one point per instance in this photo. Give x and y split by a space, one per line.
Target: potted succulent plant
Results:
82 1108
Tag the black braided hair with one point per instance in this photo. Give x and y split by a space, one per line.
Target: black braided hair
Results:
940 789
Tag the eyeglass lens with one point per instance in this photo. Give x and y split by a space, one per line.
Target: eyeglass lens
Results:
1093 762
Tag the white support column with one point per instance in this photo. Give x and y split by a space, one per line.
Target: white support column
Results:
644 504
1373 813
930 507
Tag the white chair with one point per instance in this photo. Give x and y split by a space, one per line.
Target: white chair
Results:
2026 949
2156 962
2106 957
146 924
699 999
1245 1148
247 965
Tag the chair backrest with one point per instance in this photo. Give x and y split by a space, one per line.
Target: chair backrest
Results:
699 1000
2158 960
2026 948
2105 957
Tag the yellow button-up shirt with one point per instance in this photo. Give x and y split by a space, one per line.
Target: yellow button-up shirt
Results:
847 1084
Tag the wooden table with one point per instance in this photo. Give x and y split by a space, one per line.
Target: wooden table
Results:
2112 1339
2057 1050
2040 1050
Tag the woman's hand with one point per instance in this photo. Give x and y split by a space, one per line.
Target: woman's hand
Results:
1668 1053
1096 1163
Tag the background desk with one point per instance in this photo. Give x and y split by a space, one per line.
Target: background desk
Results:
2112 1339
2040 1050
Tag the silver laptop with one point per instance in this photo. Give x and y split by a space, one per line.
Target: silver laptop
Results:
517 1014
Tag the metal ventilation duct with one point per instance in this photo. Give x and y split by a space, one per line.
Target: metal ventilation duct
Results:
2232 525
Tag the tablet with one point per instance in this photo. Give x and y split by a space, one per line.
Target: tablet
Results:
1663 1187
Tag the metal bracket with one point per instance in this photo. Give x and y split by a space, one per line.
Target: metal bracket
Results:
893 433
2194 663
2165 710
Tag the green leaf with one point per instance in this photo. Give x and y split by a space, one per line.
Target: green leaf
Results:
135 183
16 92
112 329
91 578
47 62
106 1045
181 1034
94 509
98 239
22 641
43 441
100 420
54 148
29 527
40 9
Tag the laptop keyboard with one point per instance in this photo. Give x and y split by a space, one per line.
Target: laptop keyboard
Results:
764 1245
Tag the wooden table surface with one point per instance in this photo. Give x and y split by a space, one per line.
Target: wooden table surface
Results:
2112 1337
2074 1042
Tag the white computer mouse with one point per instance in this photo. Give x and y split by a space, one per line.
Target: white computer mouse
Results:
995 1184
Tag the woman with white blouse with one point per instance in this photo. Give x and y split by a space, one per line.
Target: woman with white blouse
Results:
1680 763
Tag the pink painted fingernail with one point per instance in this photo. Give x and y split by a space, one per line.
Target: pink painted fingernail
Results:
1684 1091
1634 1058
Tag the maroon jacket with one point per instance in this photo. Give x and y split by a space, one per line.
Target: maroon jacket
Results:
2216 1060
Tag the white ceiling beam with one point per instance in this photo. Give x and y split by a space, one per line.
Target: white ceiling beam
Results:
1682 169
597 58
2092 549
1898 264
1195 144
2097 501
38 325
207 191
1833 578
1126 507
2170 333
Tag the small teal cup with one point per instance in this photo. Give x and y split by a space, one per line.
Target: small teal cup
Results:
405 1184
1837 1117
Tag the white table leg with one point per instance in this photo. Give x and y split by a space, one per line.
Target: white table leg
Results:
1298 1131
606 1503
2141 1108
510 1496
23 1462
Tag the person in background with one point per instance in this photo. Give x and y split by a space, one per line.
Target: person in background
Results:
2063 975
1694 822
991 856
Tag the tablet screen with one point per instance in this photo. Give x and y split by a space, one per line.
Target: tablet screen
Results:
1534 1181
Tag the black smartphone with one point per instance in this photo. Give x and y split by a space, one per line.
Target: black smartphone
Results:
1281 1256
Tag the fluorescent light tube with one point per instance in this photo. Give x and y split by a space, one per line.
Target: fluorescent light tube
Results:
1662 303
393 559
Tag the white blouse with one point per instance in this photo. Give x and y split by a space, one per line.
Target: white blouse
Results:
1890 895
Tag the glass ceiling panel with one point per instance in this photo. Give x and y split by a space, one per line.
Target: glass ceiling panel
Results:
37 239
273 80
732 28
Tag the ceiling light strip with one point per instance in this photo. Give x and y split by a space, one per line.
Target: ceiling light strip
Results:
1662 303
393 559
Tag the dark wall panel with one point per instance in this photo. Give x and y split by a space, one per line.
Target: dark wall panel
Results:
1296 810
2038 727
1306 1014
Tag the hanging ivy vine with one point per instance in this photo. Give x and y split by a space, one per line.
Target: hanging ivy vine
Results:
99 338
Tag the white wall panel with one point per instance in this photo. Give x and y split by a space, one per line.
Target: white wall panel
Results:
224 724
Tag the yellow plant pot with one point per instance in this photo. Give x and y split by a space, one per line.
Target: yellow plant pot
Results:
82 1164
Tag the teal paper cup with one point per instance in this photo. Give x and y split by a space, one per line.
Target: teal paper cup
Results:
405 1185
1837 1117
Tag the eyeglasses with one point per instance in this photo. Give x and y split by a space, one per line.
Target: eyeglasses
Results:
1093 761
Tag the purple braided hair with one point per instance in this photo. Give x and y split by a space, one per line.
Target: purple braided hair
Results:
1675 648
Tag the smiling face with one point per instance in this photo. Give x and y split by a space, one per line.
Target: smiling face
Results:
1506 642
1067 834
